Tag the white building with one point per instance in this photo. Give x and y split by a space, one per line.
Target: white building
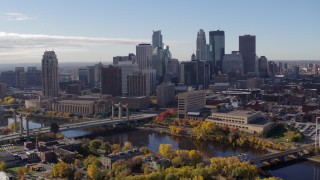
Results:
144 55
191 101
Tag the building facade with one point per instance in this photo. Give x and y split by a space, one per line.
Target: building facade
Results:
217 49
191 101
111 80
165 94
247 48
232 64
126 69
144 55
201 45
50 81
137 84
157 39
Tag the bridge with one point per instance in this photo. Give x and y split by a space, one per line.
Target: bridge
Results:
284 156
82 125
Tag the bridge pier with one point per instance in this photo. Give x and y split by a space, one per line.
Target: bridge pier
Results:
21 125
15 123
119 106
27 126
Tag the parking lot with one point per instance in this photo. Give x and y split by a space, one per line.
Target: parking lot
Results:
308 129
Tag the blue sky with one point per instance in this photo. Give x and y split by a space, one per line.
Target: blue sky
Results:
80 30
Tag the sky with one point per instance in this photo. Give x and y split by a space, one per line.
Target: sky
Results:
97 30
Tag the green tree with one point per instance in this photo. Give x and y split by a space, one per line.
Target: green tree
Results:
94 145
94 172
107 147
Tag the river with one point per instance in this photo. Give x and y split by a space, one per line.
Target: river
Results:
299 171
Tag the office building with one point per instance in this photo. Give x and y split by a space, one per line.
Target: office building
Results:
172 71
111 80
150 81
3 90
217 47
144 55
232 64
126 69
20 77
50 81
97 72
248 121
83 76
193 101
137 84
157 39
158 62
195 73
315 69
165 94
131 58
247 48
263 67
33 77
201 45
254 83
8 77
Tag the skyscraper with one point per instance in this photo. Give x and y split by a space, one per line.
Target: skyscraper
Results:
50 81
144 55
201 45
247 48
217 48
111 80
158 62
157 39
126 69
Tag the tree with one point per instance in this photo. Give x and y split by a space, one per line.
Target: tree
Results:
127 146
61 170
20 172
165 150
107 147
3 165
92 160
94 145
78 175
94 172
54 127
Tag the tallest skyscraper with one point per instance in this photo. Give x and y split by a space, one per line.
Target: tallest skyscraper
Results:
50 82
157 39
201 45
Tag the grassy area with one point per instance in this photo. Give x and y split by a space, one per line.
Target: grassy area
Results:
14 170
172 118
282 134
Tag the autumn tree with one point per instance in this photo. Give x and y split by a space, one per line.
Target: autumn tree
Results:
61 170
3 165
92 160
165 150
127 146
94 172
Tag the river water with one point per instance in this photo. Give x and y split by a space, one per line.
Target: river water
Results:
299 171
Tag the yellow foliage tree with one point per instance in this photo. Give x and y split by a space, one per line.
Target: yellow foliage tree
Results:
165 150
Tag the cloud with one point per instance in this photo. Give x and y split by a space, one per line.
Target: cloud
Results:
14 17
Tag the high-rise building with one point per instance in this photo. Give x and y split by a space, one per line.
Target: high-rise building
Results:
165 94
3 90
20 77
158 62
190 102
137 84
157 39
131 58
8 77
126 69
263 67
247 48
144 55
33 77
172 69
83 76
217 48
201 45
97 72
195 73
315 69
232 64
50 81
111 80
150 80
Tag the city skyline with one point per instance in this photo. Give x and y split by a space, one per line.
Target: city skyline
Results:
104 29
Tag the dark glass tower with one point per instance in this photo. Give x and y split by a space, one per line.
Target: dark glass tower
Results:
217 49
247 48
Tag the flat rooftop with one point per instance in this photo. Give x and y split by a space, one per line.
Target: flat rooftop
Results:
238 113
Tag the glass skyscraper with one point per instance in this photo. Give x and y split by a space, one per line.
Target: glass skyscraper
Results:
217 49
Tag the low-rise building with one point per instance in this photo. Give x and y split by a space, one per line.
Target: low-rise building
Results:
191 101
248 121
111 158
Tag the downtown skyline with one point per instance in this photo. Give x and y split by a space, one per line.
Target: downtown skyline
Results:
101 30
